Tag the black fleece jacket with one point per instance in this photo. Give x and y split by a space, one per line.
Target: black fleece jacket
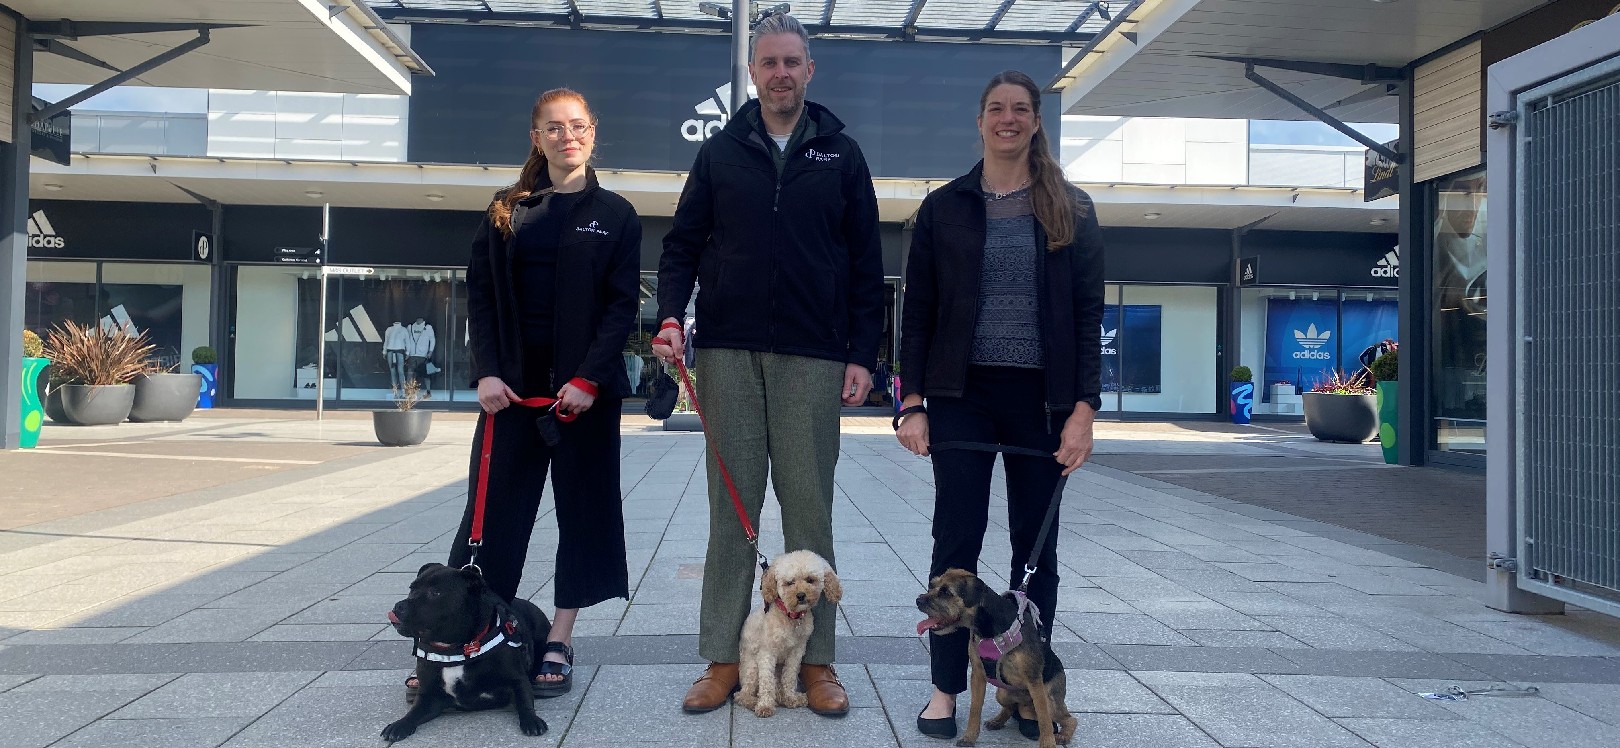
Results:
942 298
597 295
785 263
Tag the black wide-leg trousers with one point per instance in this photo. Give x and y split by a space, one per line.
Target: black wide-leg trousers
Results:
1000 405
584 467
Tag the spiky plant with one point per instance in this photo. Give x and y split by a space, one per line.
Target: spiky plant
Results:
1337 383
406 396
87 354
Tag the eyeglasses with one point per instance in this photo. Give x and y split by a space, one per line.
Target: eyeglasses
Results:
576 129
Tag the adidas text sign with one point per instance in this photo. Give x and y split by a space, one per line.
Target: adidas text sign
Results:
41 235
1389 266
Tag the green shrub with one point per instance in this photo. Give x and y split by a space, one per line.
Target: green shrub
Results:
1387 368
1242 374
33 347
203 354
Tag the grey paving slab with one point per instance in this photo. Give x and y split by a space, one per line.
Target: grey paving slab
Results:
1536 722
211 625
217 695
790 728
1598 701
1156 678
346 718
1543 637
155 733
1259 717
1267 603
1377 664
123 683
1264 639
1335 696
1136 589
1111 691
347 607
1091 600
322 632
1205 614
1121 628
40 718
202 657
1415 733
1199 659
1335 633
1135 731
10 681
1532 668
872 620
76 635
654 714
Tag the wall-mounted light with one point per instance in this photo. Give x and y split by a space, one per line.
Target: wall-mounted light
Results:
52 187
1316 296
434 197
314 194
1152 216
1379 221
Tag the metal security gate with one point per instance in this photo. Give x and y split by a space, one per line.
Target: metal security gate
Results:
1567 331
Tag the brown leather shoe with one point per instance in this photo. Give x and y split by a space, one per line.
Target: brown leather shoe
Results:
826 694
710 692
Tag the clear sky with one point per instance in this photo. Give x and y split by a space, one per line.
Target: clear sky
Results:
132 98
1277 132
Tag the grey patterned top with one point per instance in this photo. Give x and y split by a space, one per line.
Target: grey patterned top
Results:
1008 332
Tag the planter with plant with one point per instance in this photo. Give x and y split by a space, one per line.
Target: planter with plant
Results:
33 374
1242 394
1386 370
1342 409
403 425
99 365
205 364
165 396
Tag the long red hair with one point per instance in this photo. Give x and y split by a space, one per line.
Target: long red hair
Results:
500 211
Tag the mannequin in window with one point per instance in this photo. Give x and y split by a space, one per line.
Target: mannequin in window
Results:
419 343
394 342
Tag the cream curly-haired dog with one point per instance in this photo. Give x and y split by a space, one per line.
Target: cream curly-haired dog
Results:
773 638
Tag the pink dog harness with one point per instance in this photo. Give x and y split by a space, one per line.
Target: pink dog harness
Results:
993 649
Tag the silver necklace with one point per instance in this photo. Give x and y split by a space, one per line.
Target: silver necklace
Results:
994 195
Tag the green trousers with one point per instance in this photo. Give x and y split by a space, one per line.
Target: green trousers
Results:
777 415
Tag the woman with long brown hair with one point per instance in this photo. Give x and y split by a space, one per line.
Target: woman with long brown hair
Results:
552 294
1004 302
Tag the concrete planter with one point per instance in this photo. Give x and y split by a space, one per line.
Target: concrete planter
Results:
53 405
165 397
1341 418
401 428
97 404
683 422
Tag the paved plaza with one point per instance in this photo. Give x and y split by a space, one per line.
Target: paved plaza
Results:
223 582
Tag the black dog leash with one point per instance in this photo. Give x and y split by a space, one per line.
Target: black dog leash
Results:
1051 507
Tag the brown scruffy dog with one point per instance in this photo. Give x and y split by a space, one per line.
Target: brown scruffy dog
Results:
1029 677
775 634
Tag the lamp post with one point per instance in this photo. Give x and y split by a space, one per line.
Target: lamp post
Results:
742 14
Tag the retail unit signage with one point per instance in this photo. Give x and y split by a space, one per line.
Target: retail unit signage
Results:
50 138
202 245
298 255
347 270
1249 271
1381 177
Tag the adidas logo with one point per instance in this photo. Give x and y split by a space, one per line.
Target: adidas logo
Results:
41 235
356 327
1108 341
1312 341
1388 266
700 129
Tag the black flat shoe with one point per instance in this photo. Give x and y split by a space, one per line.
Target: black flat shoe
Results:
1030 728
943 727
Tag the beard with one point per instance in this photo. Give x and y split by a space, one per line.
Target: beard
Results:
783 108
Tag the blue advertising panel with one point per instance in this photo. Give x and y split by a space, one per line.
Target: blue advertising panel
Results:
1131 339
1302 343
1366 324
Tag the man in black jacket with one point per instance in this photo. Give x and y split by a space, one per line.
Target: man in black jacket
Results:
777 226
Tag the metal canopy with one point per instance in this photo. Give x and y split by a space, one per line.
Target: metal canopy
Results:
1006 21
1181 57
287 45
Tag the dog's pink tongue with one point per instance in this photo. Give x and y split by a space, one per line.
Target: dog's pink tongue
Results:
392 618
925 624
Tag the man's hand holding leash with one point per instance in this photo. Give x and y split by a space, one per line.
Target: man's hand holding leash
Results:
669 345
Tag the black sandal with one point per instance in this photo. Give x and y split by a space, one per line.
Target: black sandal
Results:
549 689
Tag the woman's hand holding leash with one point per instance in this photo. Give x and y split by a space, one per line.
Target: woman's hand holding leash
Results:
669 344
572 400
912 428
494 396
1076 445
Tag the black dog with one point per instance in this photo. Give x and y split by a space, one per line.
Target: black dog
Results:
473 649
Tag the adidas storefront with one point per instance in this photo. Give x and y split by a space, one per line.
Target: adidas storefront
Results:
1310 305
121 265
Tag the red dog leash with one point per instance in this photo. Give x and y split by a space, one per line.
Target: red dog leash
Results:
731 488
475 536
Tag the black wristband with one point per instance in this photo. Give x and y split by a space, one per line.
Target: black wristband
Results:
906 412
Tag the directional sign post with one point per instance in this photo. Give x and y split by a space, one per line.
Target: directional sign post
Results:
299 255
320 330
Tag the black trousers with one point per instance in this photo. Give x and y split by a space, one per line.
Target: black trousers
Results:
1000 405
591 564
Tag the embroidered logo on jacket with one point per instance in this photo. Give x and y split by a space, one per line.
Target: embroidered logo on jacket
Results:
591 229
820 155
